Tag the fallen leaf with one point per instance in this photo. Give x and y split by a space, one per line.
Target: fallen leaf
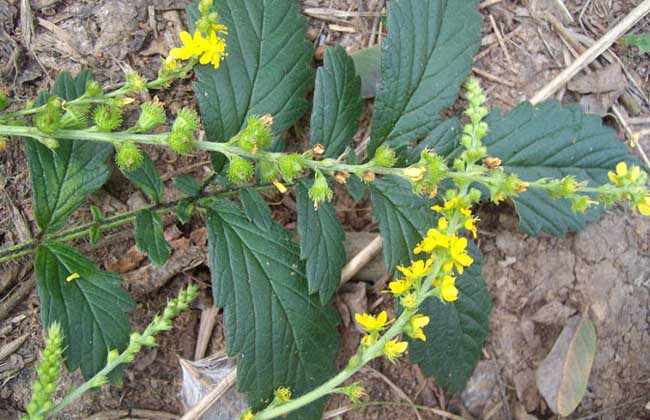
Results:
563 375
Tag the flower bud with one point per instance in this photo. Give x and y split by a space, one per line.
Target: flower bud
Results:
291 166
112 356
257 135
320 191
268 171
93 88
135 83
149 341
48 118
205 6
180 141
152 114
385 156
128 157
240 171
283 394
108 118
186 120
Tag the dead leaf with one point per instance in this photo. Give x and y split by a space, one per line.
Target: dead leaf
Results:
609 79
563 375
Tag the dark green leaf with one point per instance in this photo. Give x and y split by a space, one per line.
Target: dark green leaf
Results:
642 41
146 177
188 185
337 103
368 65
403 218
184 210
92 309
532 147
150 236
281 335
62 179
356 188
426 57
456 332
444 139
266 72
256 208
321 244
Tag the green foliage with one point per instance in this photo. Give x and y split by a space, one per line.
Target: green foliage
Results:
146 177
150 236
642 41
272 323
321 244
337 103
268 62
256 208
188 185
184 210
575 144
457 331
88 303
61 179
425 59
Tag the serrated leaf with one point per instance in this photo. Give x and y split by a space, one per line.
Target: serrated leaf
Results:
281 335
563 375
184 210
444 139
368 64
456 332
642 41
266 71
62 179
403 218
150 236
92 309
147 179
337 103
321 244
187 184
574 144
426 57
256 208
356 188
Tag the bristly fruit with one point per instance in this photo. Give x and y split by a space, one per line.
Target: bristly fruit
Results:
181 141
108 118
128 157
240 170
152 114
291 166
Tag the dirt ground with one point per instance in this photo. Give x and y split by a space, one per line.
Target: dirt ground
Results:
536 283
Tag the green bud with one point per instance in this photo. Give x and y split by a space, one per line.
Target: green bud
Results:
135 83
93 88
203 25
475 195
49 142
98 381
385 156
75 117
152 114
4 100
48 118
187 120
291 166
128 157
181 141
240 170
581 203
112 356
320 192
107 118
149 341
268 171
257 134
205 6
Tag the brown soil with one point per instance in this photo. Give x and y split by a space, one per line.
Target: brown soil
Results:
535 283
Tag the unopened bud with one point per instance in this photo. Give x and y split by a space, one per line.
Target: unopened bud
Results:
93 88
205 6
320 192
385 156
257 135
135 83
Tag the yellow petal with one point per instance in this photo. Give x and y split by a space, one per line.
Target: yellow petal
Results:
635 173
621 169
644 209
612 177
186 38
180 53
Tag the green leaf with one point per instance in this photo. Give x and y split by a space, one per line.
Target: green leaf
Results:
267 70
321 244
356 188
256 208
403 218
184 210
444 139
426 57
642 41
62 179
188 185
456 332
574 144
368 65
337 103
563 376
281 335
147 179
150 236
92 309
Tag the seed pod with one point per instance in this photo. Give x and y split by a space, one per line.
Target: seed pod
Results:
128 157
181 142
240 170
108 118
186 120
385 156
152 114
291 166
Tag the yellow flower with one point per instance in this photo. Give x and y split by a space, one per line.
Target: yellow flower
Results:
214 50
367 341
443 223
470 225
434 239
399 287
415 325
192 46
644 206
371 323
283 394
394 349
449 205
417 269
448 290
409 301
459 257
248 415
623 173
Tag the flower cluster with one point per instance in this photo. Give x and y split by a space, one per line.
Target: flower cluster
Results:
206 45
634 180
